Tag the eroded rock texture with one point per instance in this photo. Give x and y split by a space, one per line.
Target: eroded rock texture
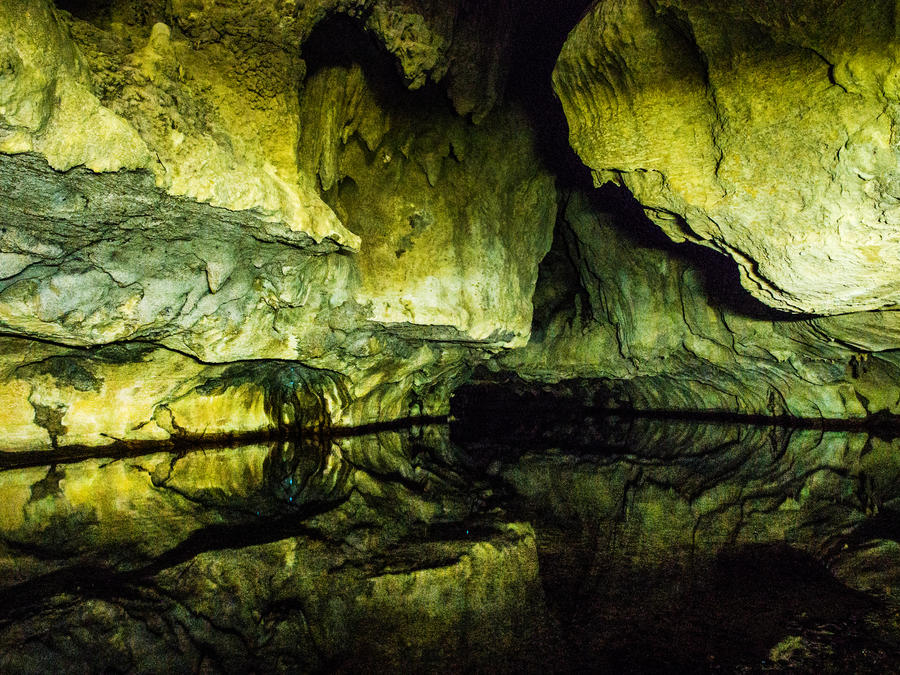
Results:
172 175
229 221
763 129
197 198
660 326
453 216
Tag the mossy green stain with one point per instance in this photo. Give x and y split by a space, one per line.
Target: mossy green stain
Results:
70 371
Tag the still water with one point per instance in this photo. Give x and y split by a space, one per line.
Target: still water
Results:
620 546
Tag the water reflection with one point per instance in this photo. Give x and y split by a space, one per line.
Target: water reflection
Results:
684 547
625 544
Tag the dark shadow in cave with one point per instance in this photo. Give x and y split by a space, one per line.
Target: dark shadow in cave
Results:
499 410
719 272
341 40
93 11
542 29
728 612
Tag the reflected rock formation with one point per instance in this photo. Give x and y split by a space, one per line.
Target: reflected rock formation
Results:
279 556
651 546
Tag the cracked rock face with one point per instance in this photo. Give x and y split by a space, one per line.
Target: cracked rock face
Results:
197 197
764 130
202 181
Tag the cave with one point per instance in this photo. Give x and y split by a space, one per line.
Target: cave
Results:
368 335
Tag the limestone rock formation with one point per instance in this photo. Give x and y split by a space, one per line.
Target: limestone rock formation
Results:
451 234
170 177
243 243
660 327
222 218
764 130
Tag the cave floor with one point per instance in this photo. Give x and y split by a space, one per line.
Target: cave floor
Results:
627 545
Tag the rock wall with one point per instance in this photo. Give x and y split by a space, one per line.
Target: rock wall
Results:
222 218
764 130
174 182
662 326
451 231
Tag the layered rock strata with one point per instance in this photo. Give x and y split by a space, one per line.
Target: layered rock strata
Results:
180 216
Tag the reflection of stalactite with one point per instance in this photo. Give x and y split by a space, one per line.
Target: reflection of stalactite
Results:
775 404
297 472
859 364
867 494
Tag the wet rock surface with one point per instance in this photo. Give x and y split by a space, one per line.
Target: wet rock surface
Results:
282 556
647 545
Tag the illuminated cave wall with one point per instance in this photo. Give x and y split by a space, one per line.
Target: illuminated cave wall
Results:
229 218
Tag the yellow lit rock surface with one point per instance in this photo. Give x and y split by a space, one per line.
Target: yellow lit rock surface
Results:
493 585
228 531
252 227
364 190
168 96
47 104
57 397
451 235
667 331
764 130
242 243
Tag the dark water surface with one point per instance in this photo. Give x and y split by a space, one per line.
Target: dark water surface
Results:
616 545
